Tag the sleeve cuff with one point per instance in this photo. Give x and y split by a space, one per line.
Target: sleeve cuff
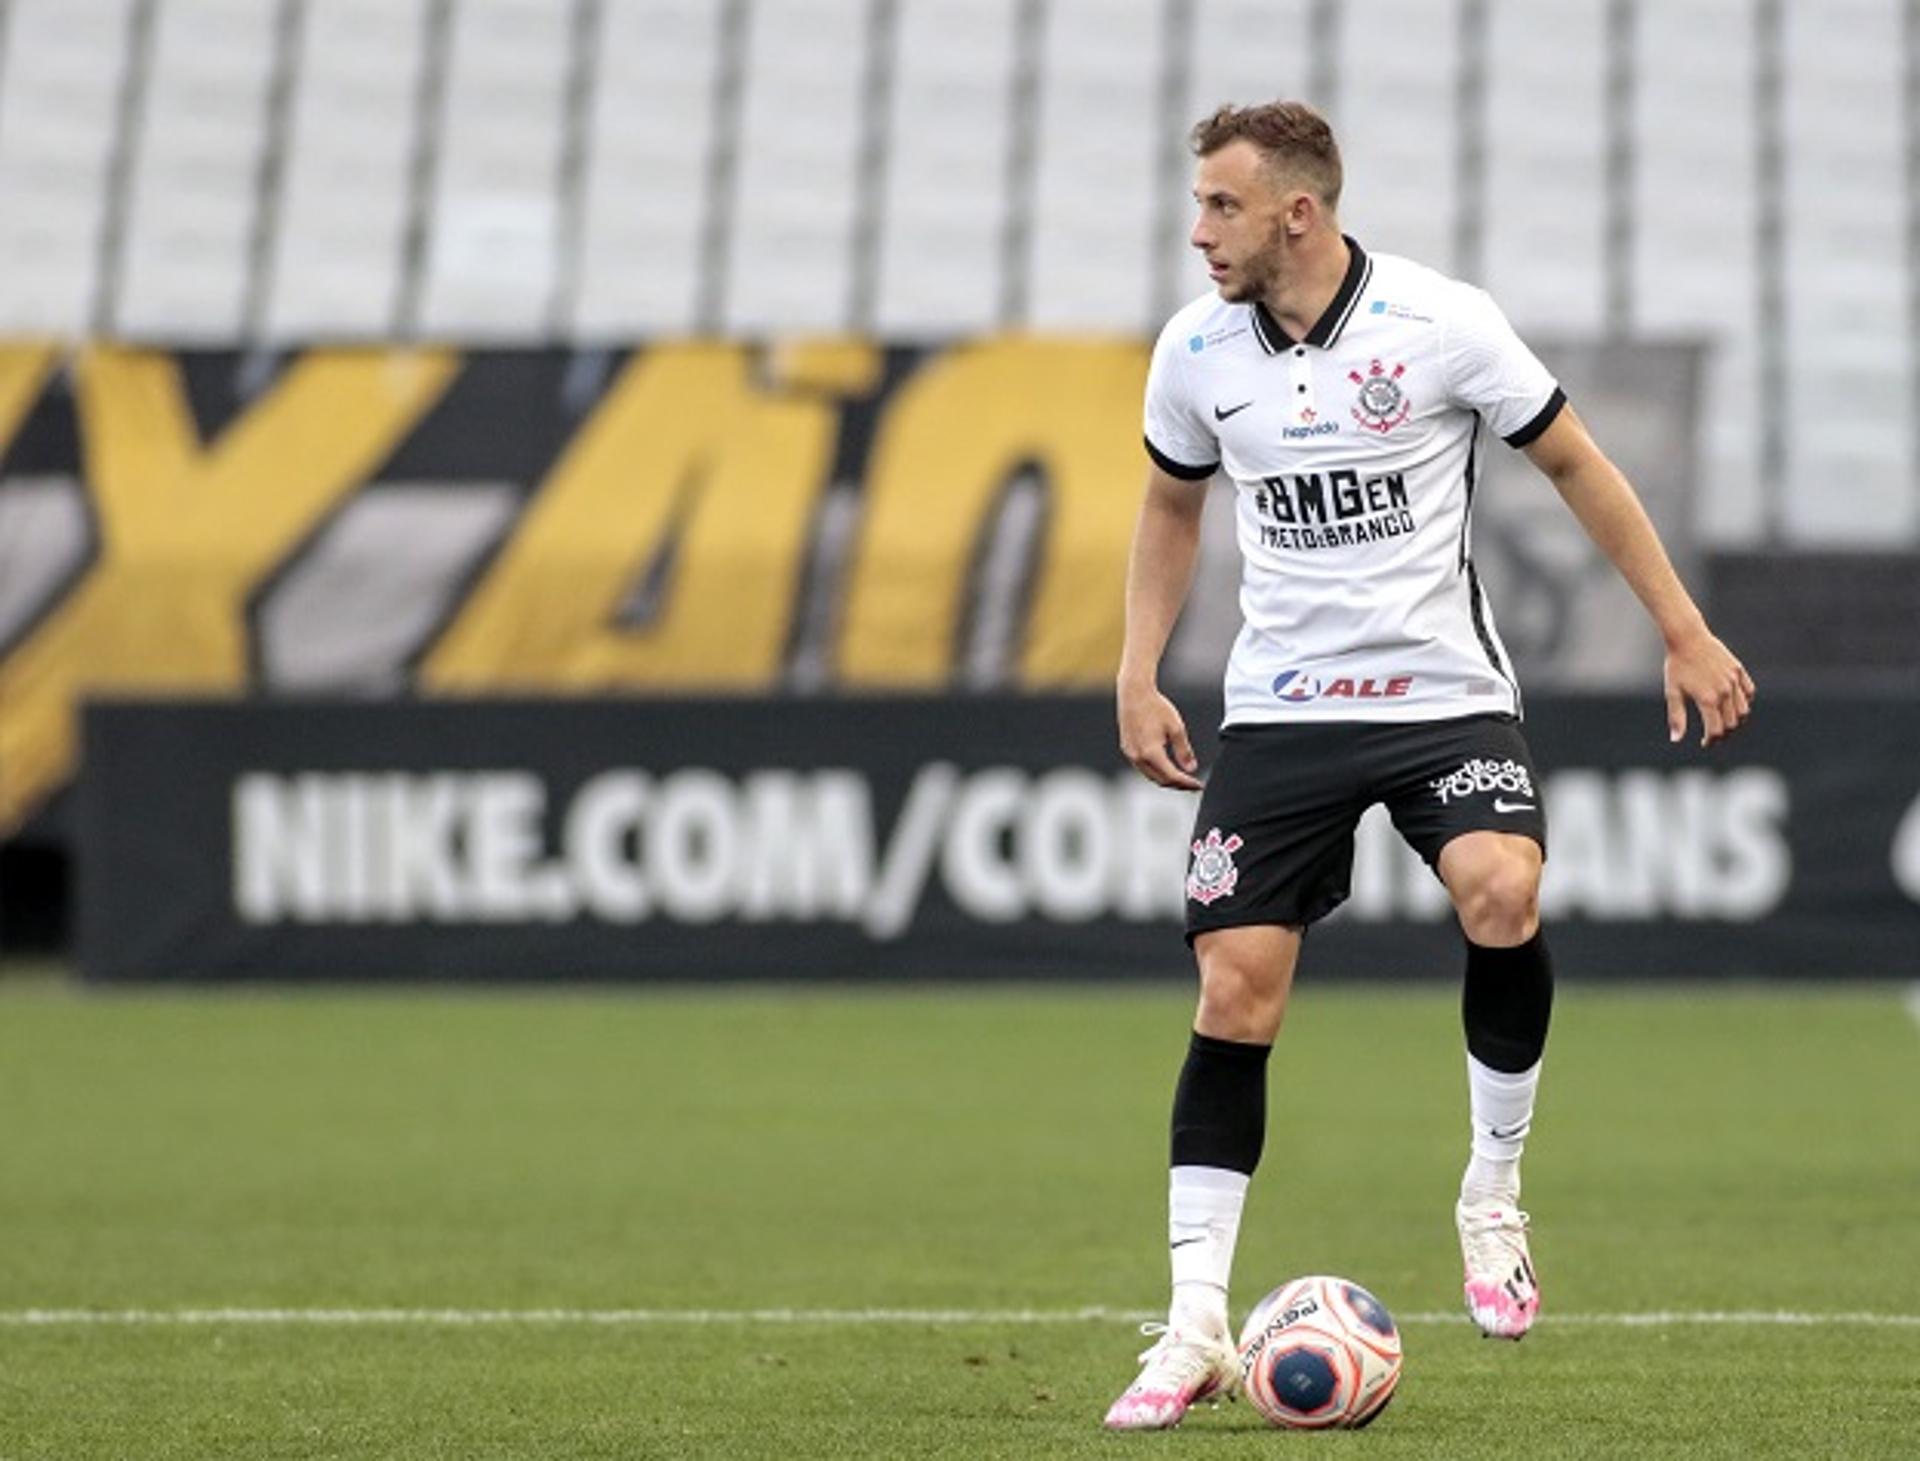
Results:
1179 469
1542 419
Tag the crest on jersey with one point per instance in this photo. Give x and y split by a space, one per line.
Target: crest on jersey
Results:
1381 404
1213 875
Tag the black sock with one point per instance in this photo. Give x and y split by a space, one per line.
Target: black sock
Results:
1506 1003
1220 1105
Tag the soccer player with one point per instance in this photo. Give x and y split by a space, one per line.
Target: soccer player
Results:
1343 393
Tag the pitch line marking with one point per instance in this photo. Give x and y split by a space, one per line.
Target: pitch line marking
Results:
1913 1001
662 1318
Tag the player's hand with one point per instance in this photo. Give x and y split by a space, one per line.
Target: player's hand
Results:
1154 738
1705 671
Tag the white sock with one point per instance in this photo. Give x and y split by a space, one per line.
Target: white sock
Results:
1203 1223
1502 1104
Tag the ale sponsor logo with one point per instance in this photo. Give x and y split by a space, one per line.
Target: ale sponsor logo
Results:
1295 686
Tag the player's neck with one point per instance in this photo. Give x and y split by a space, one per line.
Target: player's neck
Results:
1301 296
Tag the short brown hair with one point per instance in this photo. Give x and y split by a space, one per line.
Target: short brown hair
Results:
1295 140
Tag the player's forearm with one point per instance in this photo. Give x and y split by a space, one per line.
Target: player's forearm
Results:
1166 547
1610 511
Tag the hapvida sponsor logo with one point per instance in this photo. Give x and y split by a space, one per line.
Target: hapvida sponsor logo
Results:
1318 428
1295 686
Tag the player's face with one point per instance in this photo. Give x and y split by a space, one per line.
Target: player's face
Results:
1241 221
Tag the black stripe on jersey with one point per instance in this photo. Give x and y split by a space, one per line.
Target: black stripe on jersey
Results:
1178 469
1273 337
1477 603
1542 419
1466 513
1476 600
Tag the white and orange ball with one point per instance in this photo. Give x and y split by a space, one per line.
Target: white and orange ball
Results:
1319 1352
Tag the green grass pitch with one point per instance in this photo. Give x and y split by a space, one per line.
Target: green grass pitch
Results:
1730 1152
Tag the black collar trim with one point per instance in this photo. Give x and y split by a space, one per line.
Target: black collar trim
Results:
1273 338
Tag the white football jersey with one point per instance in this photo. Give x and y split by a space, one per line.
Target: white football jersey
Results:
1352 456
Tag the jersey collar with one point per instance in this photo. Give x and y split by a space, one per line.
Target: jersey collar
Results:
1273 339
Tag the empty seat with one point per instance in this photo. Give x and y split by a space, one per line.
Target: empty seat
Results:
194 199
647 167
795 187
943 204
1239 51
59 93
1844 207
1089 261
494 214
1246 52
1396 118
335 260
1545 174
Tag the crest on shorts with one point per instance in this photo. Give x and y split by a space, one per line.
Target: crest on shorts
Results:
1381 404
1213 875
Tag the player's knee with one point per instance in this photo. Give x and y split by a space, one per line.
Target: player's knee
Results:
1239 999
1499 904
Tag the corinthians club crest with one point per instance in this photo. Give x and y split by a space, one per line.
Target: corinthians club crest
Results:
1213 875
1381 405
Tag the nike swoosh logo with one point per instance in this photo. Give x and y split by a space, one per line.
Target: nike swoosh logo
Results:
1509 1134
1184 1241
1502 805
1219 415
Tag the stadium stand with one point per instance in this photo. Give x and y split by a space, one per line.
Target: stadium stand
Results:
789 252
494 209
949 135
1733 172
65 73
193 202
1696 274
338 249
1399 126
651 132
1088 265
1544 203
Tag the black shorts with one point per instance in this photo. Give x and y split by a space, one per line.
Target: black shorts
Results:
1273 839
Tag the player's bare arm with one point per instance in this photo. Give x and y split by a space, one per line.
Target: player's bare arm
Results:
1698 666
1166 545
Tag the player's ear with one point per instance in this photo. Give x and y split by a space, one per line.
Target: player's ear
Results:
1302 212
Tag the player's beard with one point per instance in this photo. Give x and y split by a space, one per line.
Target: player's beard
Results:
1255 278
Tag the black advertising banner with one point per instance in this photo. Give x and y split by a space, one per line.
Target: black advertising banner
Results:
915 838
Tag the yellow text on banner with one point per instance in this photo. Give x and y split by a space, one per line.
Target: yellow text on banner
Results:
953 437
186 532
687 473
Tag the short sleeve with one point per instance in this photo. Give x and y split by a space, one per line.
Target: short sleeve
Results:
1179 439
1490 370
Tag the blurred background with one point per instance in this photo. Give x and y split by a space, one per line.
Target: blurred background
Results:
638 489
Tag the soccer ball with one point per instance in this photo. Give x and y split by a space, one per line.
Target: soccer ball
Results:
1319 1352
